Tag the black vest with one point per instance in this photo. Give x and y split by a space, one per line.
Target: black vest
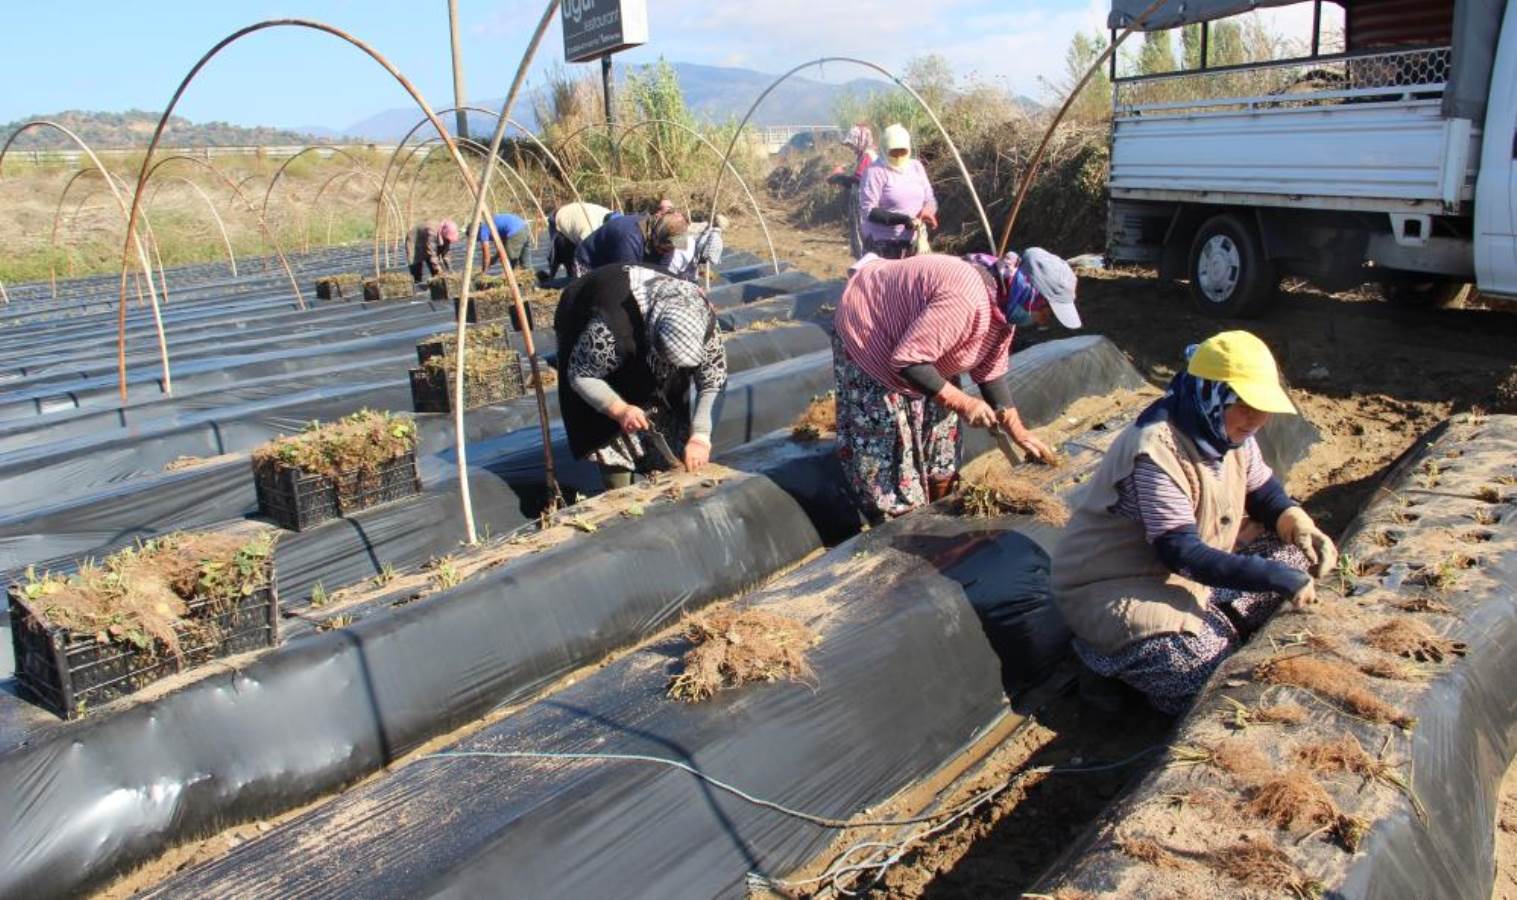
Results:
608 291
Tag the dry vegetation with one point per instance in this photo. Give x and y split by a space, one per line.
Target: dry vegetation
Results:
819 419
733 647
140 595
993 489
360 442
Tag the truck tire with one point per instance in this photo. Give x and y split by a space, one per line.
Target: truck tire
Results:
1230 277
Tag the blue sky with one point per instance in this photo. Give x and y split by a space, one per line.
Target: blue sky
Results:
110 55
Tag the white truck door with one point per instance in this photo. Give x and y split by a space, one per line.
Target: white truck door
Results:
1496 185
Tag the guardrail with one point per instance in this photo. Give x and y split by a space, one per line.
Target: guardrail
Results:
281 151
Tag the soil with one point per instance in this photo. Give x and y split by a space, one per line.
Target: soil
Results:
1370 377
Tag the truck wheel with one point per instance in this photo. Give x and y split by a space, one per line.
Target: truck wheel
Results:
1230 277
1408 291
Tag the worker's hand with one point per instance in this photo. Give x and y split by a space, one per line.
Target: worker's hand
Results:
1306 596
972 410
697 453
630 418
1297 528
1010 422
929 219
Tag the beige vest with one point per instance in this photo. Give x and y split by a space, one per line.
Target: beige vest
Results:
1107 581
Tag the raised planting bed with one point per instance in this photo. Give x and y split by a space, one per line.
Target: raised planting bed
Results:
139 615
339 287
389 286
328 471
492 371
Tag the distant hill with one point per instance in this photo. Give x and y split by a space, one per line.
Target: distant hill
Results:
134 128
712 93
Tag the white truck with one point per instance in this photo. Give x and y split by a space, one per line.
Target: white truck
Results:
1394 161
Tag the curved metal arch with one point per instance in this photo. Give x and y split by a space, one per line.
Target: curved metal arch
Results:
173 103
147 223
752 201
349 174
263 227
990 238
132 241
497 161
600 166
390 164
220 225
354 160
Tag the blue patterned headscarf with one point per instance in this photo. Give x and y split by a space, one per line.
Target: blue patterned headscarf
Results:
1195 406
1014 292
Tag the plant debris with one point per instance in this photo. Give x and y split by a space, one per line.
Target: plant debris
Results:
819 419
361 442
996 491
1334 681
1152 853
1291 797
1260 865
140 595
1413 639
734 647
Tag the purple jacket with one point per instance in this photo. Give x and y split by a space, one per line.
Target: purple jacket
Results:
906 192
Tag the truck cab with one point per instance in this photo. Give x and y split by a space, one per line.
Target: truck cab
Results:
1392 161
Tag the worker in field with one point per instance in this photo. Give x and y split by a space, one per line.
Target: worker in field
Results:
430 245
1185 543
568 226
896 203
859 139
514 234
701 250
632 340
632 240
906 330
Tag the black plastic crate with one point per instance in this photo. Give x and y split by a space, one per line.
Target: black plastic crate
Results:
443 287
432 389
70 674
376 290
296 501
437 346
338 287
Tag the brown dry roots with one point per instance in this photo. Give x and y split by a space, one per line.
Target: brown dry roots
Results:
1413 639
1260 865
819 418
363 442
1333 680
738 646
996 491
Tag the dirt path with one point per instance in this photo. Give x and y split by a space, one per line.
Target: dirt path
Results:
1372 378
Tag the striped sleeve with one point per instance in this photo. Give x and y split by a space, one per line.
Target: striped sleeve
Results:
1153 499
1259 472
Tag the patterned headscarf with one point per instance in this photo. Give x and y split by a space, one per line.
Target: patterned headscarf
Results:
859 138
678 318
1196 406
1003 272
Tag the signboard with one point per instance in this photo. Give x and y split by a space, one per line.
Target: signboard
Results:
595 28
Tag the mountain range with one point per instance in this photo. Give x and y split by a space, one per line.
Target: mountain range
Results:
712 94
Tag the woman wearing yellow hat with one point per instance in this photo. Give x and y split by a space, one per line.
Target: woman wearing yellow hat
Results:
1151 575
896 200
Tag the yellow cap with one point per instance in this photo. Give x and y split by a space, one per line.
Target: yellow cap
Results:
1244 363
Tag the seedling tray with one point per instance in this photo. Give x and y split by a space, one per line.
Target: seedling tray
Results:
296 500
432 388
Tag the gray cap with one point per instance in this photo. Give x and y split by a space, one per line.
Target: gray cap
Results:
1055 280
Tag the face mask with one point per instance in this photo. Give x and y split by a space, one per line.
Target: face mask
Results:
899 163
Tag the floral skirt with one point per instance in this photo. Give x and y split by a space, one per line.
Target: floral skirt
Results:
1171 668
890 443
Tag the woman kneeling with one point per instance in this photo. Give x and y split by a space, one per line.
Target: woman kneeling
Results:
1158 576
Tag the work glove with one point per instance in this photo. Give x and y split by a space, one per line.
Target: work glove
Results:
1306 596
972 410
697 453
1011 423
1297 528
929 219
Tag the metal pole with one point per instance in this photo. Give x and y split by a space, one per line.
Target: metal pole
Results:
1205 34
1316 27
458 71
605 83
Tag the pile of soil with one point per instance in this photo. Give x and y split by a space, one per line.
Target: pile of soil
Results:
734 647
140 595
361 442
